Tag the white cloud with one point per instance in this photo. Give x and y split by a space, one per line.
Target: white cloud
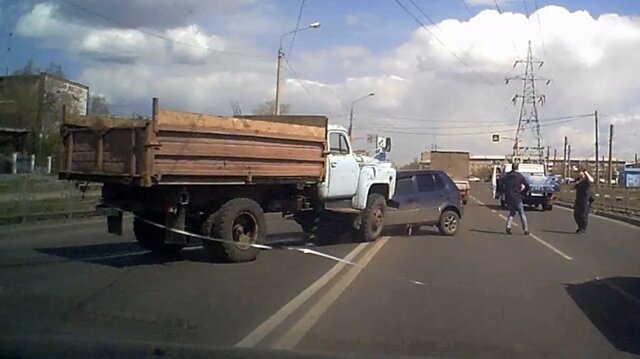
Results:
421 88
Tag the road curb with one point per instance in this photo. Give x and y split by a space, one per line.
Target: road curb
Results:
610 215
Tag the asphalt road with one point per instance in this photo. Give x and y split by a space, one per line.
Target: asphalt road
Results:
481 293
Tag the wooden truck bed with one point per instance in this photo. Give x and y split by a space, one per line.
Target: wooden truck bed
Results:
190 148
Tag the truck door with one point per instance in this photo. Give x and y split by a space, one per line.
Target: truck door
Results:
343 167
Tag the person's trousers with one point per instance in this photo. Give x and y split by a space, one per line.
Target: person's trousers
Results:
519 208
581 216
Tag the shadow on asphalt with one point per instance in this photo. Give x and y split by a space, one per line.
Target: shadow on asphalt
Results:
613 306
496 207
128 254
487 231
559 232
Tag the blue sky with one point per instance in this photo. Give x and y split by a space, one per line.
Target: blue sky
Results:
382 24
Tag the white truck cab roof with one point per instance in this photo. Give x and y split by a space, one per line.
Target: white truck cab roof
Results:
332 127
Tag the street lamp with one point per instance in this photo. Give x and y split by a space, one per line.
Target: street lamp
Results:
313 25
351 112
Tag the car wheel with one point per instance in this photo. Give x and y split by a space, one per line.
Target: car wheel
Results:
449 223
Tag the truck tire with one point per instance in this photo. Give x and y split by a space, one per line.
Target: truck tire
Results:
239 223
449 223
152 237
372 218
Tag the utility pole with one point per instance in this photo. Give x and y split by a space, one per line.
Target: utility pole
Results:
635 158
276 110
610 154
548 149
555 156
597 149
528 118
564 159
569 160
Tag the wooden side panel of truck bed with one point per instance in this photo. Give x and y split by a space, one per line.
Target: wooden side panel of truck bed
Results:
189 148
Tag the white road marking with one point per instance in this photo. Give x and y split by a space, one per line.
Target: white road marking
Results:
559 252
556 250
258 334
477 200
302 326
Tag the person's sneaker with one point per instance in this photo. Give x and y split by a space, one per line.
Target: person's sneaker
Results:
578 231
526 233
508 230
582 231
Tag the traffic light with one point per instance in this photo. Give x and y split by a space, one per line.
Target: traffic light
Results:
495 137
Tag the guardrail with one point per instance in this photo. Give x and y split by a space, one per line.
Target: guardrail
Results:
31 197
619 200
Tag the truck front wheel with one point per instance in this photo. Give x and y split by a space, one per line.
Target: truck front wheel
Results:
372 221
152 237
240 224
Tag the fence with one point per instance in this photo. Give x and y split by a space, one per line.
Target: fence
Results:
31 197
619 200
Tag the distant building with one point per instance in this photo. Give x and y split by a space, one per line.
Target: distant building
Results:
34 103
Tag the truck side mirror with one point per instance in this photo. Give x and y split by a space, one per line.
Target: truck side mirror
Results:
387 144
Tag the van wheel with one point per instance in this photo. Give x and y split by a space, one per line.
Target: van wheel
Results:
239 223
153 237
449 223
372 222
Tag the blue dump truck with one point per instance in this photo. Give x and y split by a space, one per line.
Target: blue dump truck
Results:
543 187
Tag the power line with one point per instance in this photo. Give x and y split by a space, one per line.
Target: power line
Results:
526 8
160 36
544 50
464 3
289 67
293 37
462 61
495 2
468 133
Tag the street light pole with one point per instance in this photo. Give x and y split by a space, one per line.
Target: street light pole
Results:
314 25
351 113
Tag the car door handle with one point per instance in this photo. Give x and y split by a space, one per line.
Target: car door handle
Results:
334 164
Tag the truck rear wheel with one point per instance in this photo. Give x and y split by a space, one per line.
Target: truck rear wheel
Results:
372 222
153 237
239 223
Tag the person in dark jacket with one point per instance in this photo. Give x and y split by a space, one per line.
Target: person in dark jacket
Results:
513 185
584 198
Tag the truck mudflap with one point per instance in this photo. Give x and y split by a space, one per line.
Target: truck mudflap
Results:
115 223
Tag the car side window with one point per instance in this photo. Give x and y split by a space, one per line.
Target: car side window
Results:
338 144
404 186
426 183
440 184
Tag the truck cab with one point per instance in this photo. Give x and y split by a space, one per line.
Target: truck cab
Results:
355 190
353 177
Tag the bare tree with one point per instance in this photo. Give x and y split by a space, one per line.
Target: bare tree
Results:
268 108
98 106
